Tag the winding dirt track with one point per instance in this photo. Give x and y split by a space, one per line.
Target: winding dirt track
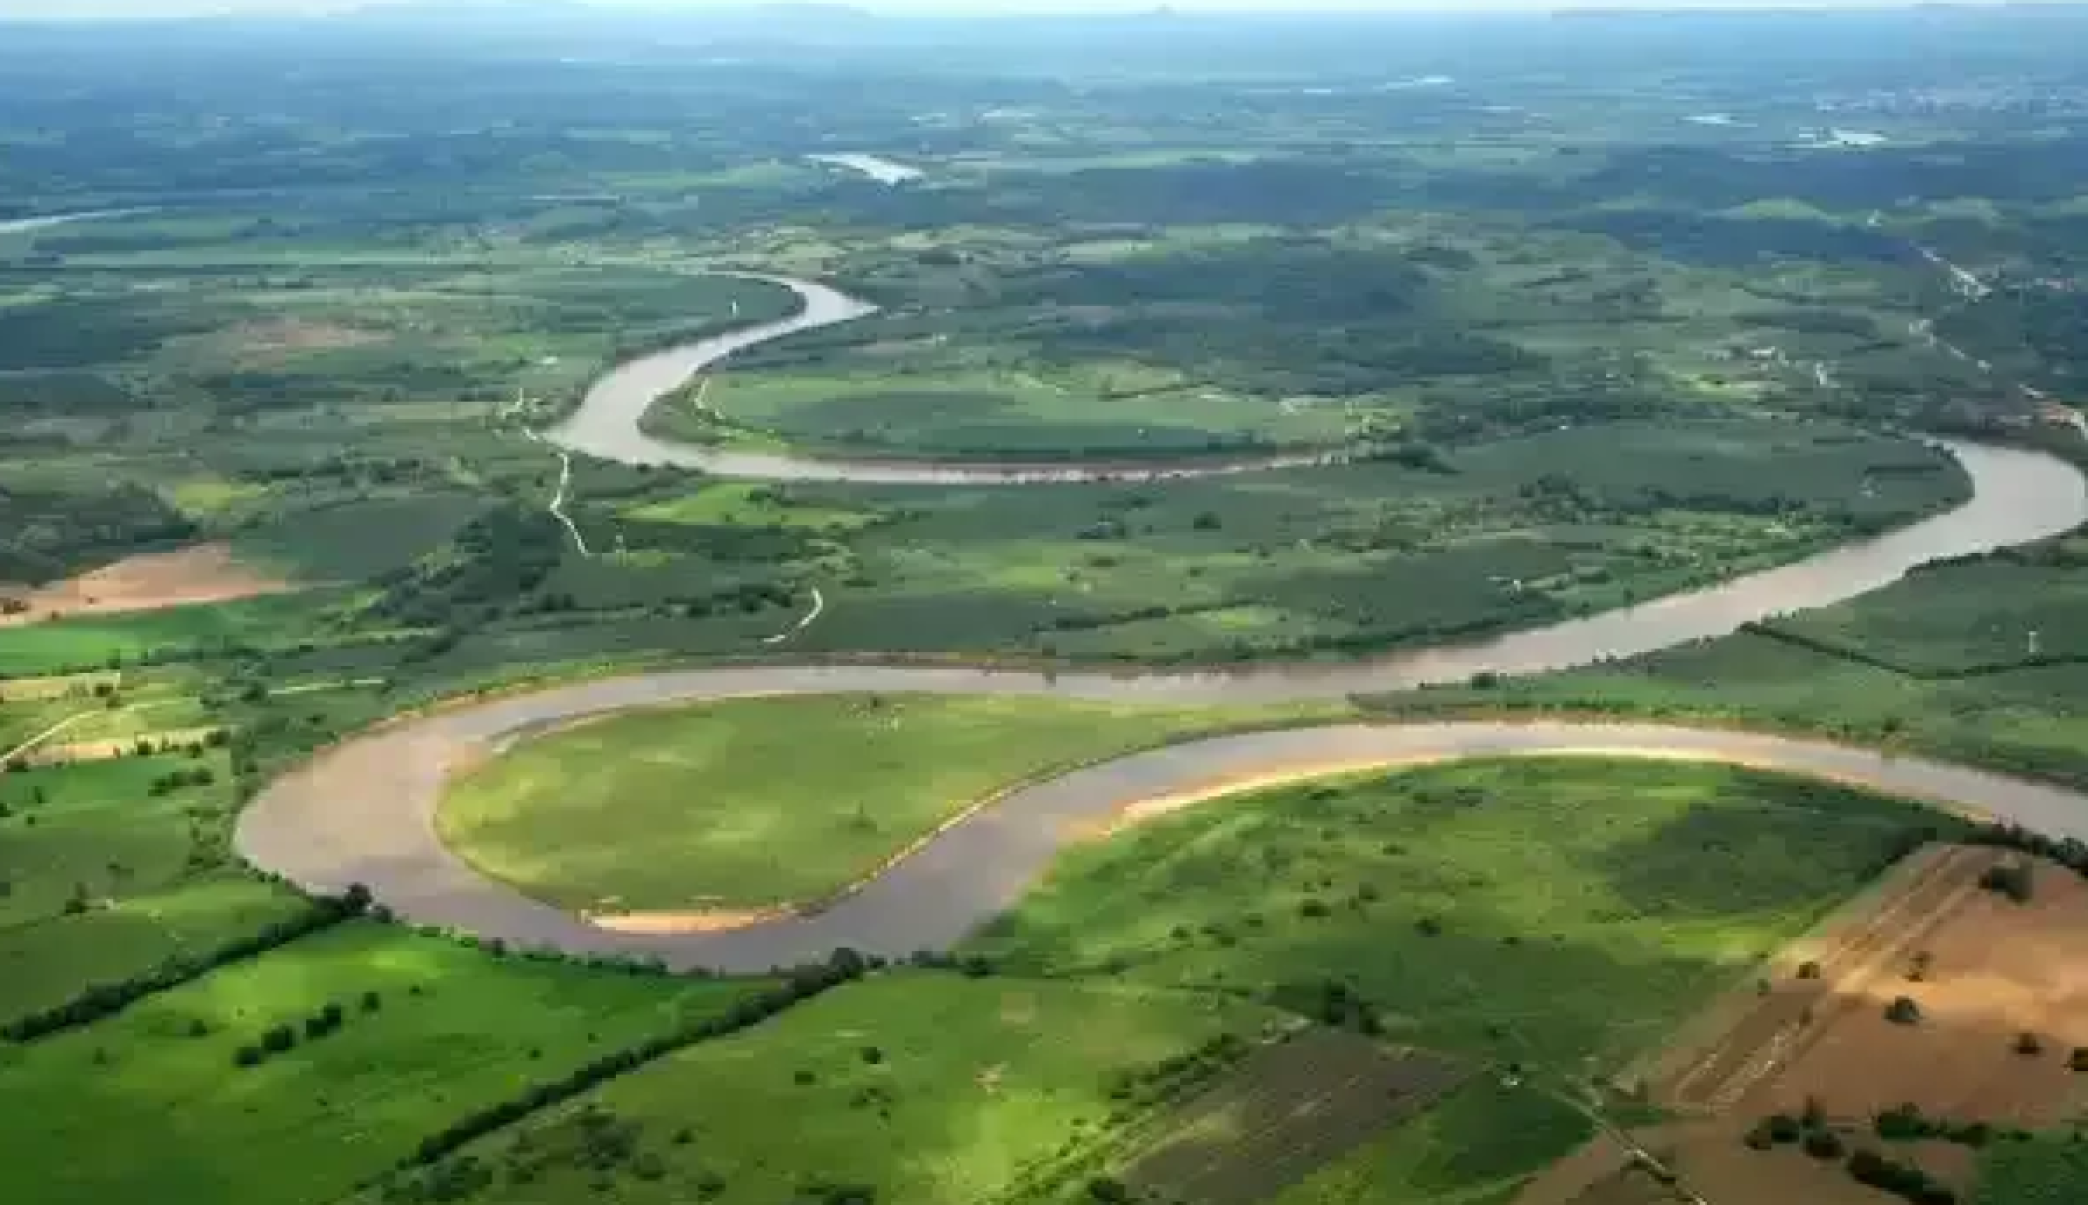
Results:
364 812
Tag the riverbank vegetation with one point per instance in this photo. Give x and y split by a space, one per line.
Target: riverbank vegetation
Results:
1980 661
1574 342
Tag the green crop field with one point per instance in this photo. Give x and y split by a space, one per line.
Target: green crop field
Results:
1479 1147
1562 912
2045 1172
105 874
431 1031
759 802
919 1087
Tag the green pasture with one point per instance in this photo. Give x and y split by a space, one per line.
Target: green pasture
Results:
431 1032
759 802
917 1087
1564 913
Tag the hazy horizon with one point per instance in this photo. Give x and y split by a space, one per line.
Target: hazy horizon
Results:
118 9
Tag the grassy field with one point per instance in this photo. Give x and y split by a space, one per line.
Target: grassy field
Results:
1563 913
952 405
758 802
103 875
2045 1172
919 1087
431 1032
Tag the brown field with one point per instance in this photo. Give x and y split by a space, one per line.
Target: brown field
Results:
111 748
33 690
1996 969
1990 971
148 582
258 344
1283 1112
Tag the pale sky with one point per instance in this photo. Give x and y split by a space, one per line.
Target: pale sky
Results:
52 9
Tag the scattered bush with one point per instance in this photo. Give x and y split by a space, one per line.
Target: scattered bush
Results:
1825 1144
2028 1044
2016 880
1903 1011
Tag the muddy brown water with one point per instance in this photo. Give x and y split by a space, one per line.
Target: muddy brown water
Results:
365 812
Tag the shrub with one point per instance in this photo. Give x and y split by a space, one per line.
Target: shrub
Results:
2016 880
1903 1011
872 1055
1808 970
1824 1144
2028 1044
1902 1180
1784 1128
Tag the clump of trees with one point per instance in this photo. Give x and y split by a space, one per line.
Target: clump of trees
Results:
180 780
1900 1179
281 1039
1812 1133
1169 1078
1907 1123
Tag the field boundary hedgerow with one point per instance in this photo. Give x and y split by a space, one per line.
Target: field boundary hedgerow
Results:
102 1000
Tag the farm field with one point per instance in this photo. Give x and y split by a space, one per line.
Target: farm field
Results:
1481 1146
106 872
916 1086
430 1031
1282 1112
1553 912
760 803
1988 1038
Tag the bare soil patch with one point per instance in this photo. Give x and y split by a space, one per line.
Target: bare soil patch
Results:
150 581
263 341
1983 971
1284 1111
715 921
111 748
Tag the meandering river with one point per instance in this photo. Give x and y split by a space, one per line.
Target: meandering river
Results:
365 812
